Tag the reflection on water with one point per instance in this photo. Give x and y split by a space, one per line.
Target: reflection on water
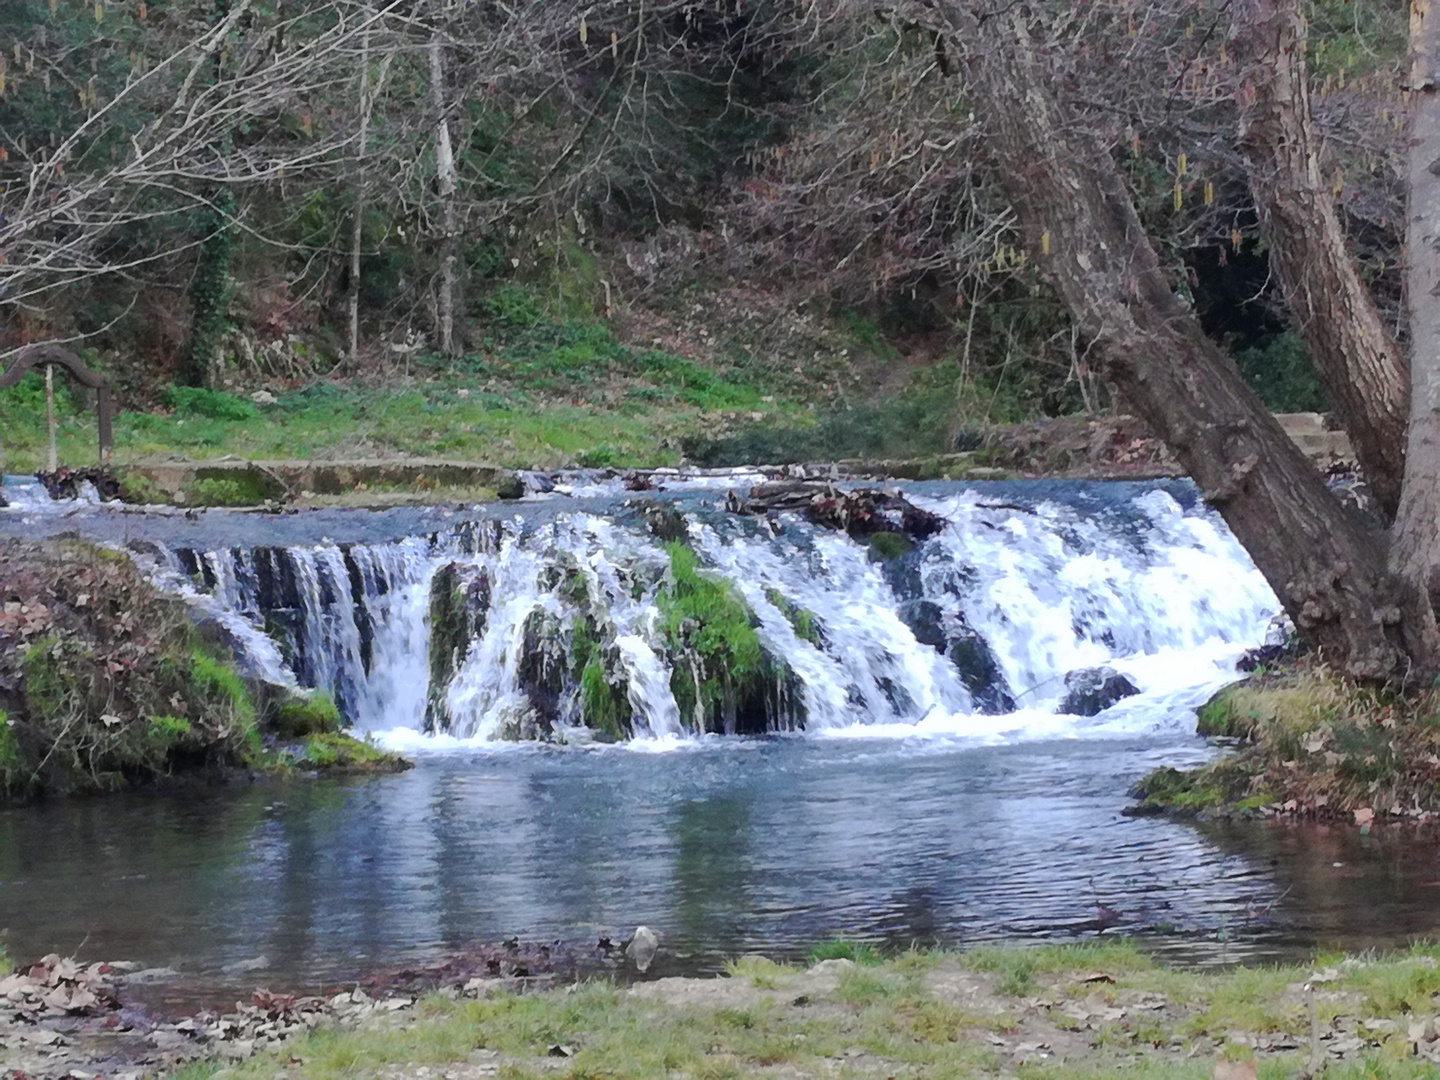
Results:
747 845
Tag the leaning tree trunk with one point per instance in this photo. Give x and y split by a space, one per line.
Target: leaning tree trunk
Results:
1077 214
1413 555
1364 373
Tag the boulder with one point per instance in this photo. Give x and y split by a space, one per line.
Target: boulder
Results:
1089 691
926 622
642 947
981 674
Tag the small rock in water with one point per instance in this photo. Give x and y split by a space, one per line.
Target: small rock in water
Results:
642 947
1093 690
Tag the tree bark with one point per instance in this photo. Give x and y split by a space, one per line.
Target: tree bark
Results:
357 225
1071 202
445 184
1413 555
1364 373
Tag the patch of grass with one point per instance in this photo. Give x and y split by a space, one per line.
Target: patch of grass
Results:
899 1018
864 985
844 949
761 971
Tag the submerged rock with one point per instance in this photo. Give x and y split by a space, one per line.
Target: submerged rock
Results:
642 947
1093 690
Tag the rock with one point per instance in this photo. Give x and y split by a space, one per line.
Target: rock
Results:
263 397
1092 690
510 486
926 622
981 674
641 948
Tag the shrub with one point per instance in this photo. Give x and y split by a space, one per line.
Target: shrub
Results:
192 401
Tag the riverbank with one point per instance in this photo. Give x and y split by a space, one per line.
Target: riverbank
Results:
1306 743
1098 1009
106 682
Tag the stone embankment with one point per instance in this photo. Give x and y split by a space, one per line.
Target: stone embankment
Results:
1099 448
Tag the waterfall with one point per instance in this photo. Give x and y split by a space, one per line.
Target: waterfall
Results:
580 625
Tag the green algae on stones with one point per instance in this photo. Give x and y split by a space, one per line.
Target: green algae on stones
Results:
459 611
722 678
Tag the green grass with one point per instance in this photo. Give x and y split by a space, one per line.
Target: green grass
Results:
843 949
904 1016
542 395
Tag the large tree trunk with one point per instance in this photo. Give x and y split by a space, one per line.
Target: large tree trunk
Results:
1364 373
1079 219
1413 555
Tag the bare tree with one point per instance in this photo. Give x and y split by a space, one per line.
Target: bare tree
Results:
1364 373
1077 214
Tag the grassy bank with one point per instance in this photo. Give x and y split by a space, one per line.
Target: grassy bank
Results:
106 682
541 395
1306 742
1069 1012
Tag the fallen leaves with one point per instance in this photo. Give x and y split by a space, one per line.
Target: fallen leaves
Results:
56 987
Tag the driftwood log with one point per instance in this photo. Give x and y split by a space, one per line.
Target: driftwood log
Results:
860 512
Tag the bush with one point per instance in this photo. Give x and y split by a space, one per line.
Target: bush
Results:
1281 373
196 401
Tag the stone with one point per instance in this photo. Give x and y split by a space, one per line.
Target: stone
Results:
926 622
643 945
1089 691
980 672
263 397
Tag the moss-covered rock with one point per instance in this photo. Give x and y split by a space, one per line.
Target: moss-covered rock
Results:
604 694
336 752
459 611
302 717
722 677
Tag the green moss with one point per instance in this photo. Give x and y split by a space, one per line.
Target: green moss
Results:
705 615
243 489
139 490
168 731
15 774
889 545
719 663
334 750
605 708
604 704
316 714
802 620
1182 792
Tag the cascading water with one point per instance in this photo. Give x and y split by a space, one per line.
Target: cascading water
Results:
577 625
